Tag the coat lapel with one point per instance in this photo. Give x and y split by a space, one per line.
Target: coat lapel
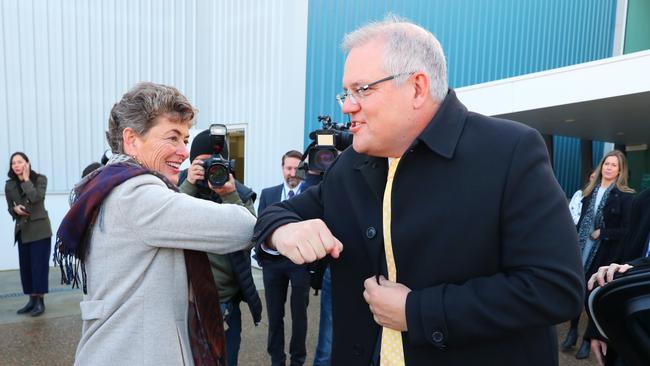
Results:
374 171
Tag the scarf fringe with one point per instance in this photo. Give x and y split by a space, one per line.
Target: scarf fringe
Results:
69 265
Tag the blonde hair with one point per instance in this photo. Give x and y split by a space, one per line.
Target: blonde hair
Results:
621 179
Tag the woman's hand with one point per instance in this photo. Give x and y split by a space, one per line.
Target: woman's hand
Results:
20 210
196 172
605 274
228 187
26 170
595 234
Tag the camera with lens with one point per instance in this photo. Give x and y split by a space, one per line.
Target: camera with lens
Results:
326 144
218 167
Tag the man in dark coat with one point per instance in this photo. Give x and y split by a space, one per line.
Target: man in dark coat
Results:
479 234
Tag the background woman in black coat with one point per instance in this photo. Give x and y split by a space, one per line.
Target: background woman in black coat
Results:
603 223
25 193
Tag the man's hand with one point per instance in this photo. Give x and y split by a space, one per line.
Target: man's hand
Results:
21 210
225 189
305 241
387 301
196 172
606 274
599 348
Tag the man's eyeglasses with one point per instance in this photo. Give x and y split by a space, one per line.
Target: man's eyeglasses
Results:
360 92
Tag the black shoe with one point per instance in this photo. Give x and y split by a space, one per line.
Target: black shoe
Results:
570 340
27 308
39 307
583 352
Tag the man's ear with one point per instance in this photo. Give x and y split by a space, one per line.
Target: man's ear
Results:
421 89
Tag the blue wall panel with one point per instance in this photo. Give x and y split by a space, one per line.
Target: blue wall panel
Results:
567 162
483 41
567 171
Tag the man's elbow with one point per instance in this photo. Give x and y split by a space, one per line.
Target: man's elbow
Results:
571 297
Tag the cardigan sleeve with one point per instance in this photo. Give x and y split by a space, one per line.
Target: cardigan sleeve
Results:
163 218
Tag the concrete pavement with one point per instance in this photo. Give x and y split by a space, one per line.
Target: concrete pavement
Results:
51 339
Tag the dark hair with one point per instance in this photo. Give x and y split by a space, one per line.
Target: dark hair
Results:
291 154
90 168
32 174
141 106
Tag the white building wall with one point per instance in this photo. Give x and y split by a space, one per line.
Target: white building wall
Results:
64 63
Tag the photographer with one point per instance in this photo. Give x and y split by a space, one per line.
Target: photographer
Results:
231 272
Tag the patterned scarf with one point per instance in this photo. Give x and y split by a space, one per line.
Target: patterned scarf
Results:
205 323
593 219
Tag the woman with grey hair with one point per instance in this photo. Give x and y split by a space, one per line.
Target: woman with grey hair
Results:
139 245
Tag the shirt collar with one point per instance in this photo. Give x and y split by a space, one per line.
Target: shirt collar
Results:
295 190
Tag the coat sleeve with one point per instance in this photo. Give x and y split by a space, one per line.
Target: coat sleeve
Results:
540 281
617 233
11 199
35 193
163 218
307 205
636 238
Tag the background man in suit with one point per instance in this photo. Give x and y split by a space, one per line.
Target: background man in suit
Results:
468 256
290 187
278 271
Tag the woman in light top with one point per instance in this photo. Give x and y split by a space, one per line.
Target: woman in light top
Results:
575 205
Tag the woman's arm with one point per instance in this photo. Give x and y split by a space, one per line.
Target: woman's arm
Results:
163 218
35 193
618 232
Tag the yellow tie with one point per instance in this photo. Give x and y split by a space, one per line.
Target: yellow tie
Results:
392 351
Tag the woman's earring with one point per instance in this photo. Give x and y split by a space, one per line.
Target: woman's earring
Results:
136 159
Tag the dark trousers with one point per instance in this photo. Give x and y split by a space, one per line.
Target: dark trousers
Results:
34 265
324 346
232 316
278 273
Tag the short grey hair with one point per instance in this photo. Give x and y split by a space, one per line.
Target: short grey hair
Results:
141 106
408 48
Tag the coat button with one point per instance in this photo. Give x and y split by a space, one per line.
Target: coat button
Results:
371 232
437 337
